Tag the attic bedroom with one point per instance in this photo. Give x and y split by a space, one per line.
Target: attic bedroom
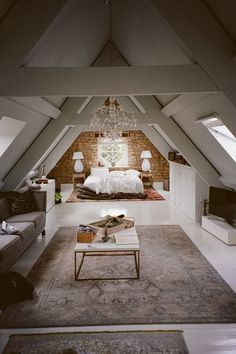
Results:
117 138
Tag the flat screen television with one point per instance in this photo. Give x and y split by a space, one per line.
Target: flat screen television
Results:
222 203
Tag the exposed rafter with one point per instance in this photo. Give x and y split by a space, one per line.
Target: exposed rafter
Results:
38 104
117 81
182 102
43 145
21 29
206 39
181 141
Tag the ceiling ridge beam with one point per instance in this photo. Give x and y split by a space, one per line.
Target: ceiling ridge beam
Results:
118 81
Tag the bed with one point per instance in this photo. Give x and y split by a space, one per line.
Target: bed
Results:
103 181
102 184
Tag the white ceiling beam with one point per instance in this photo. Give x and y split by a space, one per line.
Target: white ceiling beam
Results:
15 110
93 104
127 104
181 141
182 102
21 29
137 104
62 146
157 140
38 104
201 32
43 144
102 81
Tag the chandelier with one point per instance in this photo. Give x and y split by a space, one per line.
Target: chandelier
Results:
111 119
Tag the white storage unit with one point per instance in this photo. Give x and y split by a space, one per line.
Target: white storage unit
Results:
187 189
220 229
50 189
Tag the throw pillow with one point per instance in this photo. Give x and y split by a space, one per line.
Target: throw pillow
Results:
132 172
22 203
4 208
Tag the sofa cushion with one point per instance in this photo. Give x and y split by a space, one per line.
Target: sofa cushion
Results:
21 203
8 242
35 217
4 208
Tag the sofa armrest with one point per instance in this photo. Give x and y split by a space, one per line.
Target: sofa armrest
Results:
40 198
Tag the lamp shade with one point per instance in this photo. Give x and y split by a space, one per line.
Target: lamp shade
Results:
78 155
146 155
32 174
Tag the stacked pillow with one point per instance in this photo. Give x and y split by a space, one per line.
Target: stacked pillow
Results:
125 173
99 171
117 173
132 173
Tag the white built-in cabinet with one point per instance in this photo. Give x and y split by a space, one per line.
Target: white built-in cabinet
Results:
50 189
187 189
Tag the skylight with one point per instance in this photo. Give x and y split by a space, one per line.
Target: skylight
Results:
222 134
9 129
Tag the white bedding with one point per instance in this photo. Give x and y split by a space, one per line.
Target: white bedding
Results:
114 184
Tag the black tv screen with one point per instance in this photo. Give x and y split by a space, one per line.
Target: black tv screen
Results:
222 203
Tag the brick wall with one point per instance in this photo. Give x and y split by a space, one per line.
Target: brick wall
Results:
87 143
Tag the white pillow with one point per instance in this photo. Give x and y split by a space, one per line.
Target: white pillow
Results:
117 173
132 173
99 171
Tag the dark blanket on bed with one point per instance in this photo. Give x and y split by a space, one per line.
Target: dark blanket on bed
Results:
87 193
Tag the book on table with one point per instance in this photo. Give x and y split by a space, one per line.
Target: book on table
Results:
126 239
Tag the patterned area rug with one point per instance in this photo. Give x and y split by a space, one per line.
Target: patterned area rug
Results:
177 285
152 195
157 342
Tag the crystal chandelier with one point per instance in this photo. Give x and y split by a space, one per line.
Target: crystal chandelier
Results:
111 119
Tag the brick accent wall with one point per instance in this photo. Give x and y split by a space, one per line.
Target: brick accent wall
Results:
87 143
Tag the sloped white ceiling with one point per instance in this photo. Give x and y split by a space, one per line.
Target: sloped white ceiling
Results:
83 28
75 37
142 36
201 137
224 11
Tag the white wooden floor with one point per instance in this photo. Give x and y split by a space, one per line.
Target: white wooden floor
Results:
200 339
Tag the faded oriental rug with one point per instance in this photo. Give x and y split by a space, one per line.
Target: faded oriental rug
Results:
151 195
158 342
177 285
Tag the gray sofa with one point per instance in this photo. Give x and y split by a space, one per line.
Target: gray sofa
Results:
30 224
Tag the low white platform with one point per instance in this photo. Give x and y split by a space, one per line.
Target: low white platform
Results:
220 229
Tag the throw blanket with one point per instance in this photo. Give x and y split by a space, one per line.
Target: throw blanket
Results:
86 193
114 184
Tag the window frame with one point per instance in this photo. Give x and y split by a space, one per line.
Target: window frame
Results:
123 162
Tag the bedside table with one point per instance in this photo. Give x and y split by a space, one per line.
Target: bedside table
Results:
78 177
146 178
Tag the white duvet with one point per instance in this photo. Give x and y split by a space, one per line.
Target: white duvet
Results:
114 184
